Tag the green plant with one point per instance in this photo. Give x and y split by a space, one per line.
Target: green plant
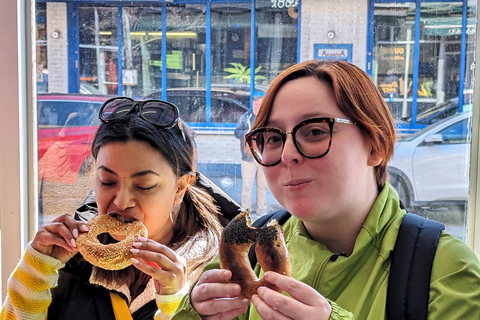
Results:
241 74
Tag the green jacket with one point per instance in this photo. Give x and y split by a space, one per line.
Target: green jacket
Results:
356 286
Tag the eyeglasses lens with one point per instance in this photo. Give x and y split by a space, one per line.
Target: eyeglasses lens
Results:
159 113
116 109
311 139
156 112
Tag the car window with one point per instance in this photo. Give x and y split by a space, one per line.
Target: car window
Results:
458 132
192 108
67 113
227 110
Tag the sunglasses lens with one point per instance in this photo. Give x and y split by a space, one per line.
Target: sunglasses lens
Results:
160 113
116 109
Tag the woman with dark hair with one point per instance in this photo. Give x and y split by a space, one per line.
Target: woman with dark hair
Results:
324 137
145 170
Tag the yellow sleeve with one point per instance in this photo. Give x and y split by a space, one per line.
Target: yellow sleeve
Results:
28 287
167 304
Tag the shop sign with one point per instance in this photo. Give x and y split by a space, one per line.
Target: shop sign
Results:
332 52
280 4
392 53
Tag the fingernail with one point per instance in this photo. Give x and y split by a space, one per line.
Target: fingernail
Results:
143 239
137 244
134 261
75 233
84 228
245 301
73 243
134 251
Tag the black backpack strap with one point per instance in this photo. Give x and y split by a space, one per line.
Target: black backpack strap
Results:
410 271
280 215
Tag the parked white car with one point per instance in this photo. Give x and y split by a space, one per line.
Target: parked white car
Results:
431 167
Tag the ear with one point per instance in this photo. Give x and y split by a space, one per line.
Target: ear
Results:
375 158
182 184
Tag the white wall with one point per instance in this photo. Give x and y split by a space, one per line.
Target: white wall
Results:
347 18
57 47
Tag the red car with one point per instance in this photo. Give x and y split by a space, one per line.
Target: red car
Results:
66 127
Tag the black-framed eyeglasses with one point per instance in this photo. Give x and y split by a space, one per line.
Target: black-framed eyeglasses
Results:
158 112
312 138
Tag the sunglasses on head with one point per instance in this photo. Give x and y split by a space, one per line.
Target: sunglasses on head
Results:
161 113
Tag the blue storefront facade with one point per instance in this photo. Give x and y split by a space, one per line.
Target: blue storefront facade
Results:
419 53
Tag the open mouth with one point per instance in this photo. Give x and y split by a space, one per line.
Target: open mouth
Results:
123 219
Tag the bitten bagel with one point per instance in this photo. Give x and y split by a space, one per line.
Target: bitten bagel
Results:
114 256
236 240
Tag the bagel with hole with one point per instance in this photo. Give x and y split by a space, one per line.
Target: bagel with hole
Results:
272 255
113 256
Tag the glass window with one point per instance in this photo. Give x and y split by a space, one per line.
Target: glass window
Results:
276 43
418 63
98 48
457 133
393 58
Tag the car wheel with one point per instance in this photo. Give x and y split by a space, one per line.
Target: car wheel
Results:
402 190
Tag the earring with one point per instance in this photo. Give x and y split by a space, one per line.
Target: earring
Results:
174 213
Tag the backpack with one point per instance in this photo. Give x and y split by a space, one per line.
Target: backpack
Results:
410 271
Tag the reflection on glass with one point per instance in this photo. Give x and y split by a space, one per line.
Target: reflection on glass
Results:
276 29
394 30
98 48
425 83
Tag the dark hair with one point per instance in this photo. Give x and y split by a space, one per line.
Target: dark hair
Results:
356 95
197 219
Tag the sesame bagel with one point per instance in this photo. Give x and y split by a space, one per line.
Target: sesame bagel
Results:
113 256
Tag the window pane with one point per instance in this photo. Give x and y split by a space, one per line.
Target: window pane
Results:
394 27
276 29
419 68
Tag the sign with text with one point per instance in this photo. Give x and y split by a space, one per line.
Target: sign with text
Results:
332 52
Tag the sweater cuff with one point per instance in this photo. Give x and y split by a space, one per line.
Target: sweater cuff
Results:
167 304
43 258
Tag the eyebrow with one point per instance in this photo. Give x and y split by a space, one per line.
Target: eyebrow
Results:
305 116
135 175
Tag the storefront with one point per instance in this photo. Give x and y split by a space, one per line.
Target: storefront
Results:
422 56
175 44
420 53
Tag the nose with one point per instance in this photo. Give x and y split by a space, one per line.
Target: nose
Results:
290 154
124 198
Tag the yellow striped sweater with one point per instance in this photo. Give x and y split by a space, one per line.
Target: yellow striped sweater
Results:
28 289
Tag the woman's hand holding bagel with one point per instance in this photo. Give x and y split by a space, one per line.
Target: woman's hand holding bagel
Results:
168 269
215 299
304 302
58 237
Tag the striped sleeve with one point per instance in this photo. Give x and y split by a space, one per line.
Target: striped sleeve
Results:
28 287
167 304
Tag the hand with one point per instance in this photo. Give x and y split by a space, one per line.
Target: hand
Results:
214 299
305 303
168 269
57 238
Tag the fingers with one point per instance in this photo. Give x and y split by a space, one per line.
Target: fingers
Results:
212 298
60 232
298 290
212 285
167 268
147 251
304 303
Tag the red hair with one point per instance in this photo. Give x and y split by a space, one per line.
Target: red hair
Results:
356 95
